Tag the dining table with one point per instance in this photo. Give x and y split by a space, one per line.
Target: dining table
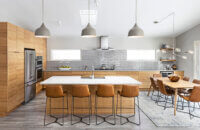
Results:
181 84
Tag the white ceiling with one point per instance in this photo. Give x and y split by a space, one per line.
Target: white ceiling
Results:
115 17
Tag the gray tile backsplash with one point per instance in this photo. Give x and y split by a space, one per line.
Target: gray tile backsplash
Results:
108 57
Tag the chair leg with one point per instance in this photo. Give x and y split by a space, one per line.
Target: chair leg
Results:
72 109
96 108
189 110
63 110
45 111
120 109
166 97
138 109
113 110
149 90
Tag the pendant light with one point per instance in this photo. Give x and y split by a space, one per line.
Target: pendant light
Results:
136 31
42 31
88 31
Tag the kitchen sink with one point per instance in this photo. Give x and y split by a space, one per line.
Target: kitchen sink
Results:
91 77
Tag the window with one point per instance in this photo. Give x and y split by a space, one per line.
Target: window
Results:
144 55
65 55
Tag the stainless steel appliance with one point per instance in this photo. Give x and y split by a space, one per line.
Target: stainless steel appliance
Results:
39 68
30 75
39 61
166 73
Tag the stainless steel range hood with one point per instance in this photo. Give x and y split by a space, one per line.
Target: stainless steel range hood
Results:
104 40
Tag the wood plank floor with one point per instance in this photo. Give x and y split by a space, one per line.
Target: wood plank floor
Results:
31 115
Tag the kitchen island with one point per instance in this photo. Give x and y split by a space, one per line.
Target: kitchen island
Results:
68 81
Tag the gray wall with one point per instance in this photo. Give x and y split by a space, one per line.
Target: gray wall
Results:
185 41
90 56
119 43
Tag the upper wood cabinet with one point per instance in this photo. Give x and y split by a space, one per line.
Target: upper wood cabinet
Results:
20 39
11 38
29 39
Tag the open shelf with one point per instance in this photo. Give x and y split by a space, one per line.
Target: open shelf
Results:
165 60
167 49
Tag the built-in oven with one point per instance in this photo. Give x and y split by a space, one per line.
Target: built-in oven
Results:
39 74
39 61
166 73
39 69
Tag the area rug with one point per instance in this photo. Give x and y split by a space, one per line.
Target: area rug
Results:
166 118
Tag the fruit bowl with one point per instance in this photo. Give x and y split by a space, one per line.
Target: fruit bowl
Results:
174 78
64 68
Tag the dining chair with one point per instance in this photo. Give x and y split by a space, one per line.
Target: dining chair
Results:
107 92
185 92
128 91
153 84
194 97
55 92
167 93
154 87
79 92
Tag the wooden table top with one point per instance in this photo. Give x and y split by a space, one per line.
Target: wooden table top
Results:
180 84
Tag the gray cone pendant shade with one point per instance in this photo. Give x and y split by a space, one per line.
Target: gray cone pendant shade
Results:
135 31
42 31
88 31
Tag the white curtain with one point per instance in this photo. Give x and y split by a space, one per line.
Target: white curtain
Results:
197 59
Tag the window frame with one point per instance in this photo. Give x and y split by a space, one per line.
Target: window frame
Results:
51 55
145 60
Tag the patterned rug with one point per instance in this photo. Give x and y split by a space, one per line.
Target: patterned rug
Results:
166 118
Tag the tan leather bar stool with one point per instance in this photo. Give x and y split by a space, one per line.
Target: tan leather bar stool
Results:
128 91
81 91
55 92
105 91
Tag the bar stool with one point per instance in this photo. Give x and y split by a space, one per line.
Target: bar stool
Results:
81 91
105 91
55 92
128 91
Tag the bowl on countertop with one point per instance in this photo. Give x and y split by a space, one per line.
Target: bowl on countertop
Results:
174 78
64 69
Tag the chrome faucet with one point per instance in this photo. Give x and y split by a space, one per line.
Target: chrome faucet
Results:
92 76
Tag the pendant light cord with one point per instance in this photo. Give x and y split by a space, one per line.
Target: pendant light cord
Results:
42 11
173 16
135 11
88 11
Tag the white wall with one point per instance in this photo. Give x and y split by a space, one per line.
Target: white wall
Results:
114 42
185 41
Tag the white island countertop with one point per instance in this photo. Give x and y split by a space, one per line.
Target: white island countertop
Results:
67 80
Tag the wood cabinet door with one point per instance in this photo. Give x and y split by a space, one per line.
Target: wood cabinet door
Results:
28 39
11 38
20 77
12 81
20 39
15 79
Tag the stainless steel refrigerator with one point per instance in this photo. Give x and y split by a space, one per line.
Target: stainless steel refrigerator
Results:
30 75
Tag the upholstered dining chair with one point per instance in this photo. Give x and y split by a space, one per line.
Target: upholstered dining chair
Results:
167 93
154 87
153 84
186 92
193 97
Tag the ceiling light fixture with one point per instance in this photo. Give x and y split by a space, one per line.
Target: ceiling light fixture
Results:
135 31
42 31
88 31
178 50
